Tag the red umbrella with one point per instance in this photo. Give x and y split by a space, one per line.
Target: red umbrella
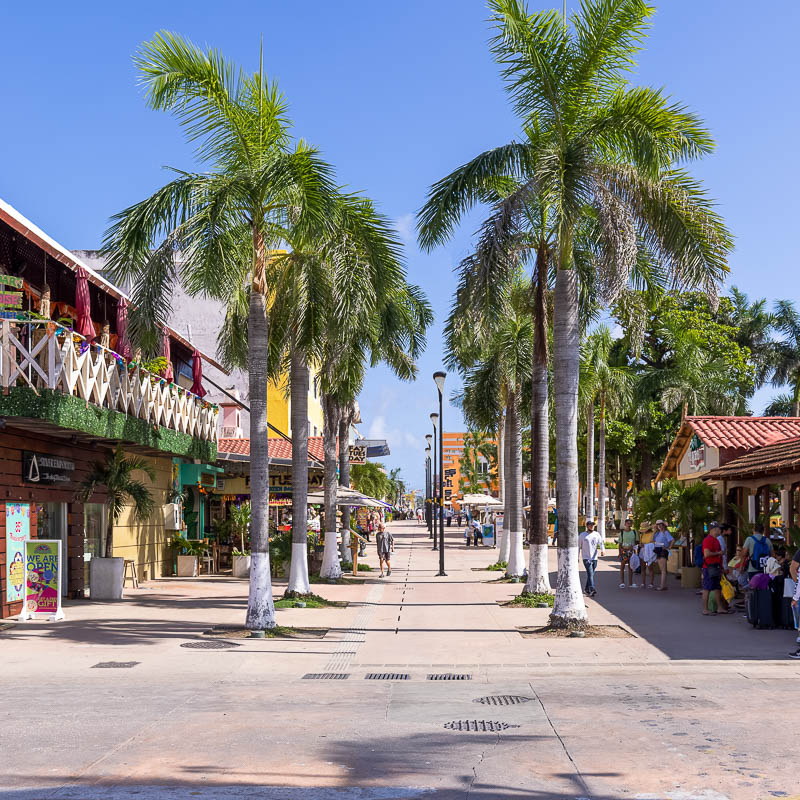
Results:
197 375
165 352
83 306
123 343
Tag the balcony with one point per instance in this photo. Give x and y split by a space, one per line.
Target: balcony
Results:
60 379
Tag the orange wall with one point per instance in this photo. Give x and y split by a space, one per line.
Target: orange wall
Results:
453 449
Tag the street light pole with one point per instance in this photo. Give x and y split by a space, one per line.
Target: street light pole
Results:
434 420
429 481
439 377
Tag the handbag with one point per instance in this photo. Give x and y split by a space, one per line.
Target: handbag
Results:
713 570
728 592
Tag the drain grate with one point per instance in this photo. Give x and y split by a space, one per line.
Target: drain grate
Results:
502 700
326 676
450 676
116 664
211 644
481 725
387 676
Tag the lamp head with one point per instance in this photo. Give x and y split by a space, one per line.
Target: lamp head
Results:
435 419
439 377
428 437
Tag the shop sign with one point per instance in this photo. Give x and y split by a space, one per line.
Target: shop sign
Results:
282 482
358 454
11 280
18 528
697 453
11 299
43 565
46 469
13 315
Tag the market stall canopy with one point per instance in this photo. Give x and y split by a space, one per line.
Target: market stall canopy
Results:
345 496
480 500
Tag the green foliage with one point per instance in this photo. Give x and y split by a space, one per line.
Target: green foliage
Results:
72 413
620 437
240 526
280 548
498 566
371 479
687 506
532 600
188 547
311 600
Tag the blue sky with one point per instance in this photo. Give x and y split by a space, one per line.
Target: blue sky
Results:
396 94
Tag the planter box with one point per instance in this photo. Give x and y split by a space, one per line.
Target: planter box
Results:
241 566
690 578
105 578
187 566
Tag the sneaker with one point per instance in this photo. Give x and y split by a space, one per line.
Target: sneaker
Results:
634 586
593 593
796 654
650 586
623 586
389 571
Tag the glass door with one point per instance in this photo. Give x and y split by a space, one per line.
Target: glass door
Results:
94 535
52 524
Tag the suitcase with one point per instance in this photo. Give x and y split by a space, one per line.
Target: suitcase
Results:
787 616
759 608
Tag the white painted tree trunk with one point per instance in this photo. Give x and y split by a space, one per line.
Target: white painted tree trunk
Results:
538 570
260 605
590 461
516 555
344 476
331 568
504 543
569 608
298 383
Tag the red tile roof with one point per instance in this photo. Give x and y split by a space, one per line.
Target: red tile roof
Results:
774 459
728 433
744 433
278 448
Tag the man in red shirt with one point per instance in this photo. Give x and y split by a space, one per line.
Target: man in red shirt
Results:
712 570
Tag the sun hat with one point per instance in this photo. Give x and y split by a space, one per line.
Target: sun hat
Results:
590 522
660 522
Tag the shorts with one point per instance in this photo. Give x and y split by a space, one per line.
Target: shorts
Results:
661 552
710 584
625 556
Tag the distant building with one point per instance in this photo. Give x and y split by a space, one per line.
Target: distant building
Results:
452 452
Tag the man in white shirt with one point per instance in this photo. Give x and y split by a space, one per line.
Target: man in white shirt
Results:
590 542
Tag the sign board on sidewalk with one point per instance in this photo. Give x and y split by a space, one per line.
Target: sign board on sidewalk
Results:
43 579
18 529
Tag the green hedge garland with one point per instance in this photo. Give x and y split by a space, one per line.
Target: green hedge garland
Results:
73 414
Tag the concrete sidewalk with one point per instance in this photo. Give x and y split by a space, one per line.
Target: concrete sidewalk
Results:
667 713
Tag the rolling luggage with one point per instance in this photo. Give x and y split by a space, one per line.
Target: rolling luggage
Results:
759 608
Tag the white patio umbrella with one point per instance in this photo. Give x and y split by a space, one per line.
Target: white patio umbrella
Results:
480 500
345 496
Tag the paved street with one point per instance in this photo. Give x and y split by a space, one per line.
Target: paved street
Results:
686 707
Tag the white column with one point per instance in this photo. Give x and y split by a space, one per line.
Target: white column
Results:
751 508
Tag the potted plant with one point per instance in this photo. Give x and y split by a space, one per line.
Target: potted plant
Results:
116 475
240 526
188 557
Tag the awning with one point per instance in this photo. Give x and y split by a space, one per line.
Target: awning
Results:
479 500
346 496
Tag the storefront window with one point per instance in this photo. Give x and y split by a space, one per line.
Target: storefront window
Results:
52 524
94 534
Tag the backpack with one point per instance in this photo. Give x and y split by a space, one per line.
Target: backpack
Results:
698 555
760 553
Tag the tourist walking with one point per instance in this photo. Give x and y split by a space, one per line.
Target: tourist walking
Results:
385 544
759 549
627 547
662 541
712 571
590 543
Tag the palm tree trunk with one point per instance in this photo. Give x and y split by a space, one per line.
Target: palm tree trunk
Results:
590 461
503 551
330 557
796 401
109 533
516 556
298 381
538 572
260 607
622 489
344 475
601 471
569 608
501 459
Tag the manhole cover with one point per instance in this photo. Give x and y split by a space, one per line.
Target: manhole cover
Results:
480 725
326 676
502 700
116 664
211 644
450 676
386 676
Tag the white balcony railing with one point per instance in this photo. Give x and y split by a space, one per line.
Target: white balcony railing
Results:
63 363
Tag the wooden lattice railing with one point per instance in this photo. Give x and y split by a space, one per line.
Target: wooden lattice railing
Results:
62 362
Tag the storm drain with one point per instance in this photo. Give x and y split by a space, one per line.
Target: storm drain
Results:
116 664
326 676
479 725
211 644
450 676
387 676
502 700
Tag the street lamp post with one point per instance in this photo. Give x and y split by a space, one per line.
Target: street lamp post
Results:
429 481
434 421
439 377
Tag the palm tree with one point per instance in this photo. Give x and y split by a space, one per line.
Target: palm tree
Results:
348 416
225 223
610 385
601 148
787 351
370 479
116 474
474 480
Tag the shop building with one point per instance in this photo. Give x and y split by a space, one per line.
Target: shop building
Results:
71 390
452 453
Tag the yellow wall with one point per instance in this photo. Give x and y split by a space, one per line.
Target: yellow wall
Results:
279 407
146 543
